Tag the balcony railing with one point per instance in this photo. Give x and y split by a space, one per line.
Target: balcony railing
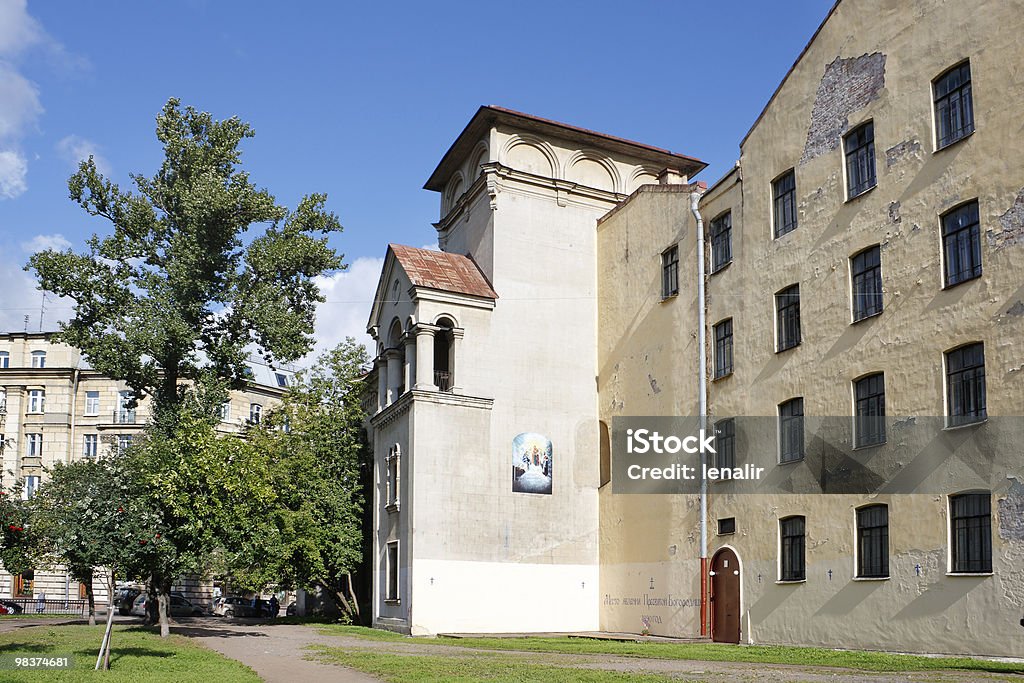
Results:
124 417
443 380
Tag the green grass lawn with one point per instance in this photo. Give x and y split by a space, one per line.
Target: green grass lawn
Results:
360 631
765 654
469 668
137 654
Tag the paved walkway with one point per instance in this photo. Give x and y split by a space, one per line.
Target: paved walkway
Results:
274 651
277 653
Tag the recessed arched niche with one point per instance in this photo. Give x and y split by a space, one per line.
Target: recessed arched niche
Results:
528 157
592 170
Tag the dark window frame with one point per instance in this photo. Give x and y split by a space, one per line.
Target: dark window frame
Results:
787 318
793 548
953 98
961 244
873 542
859 152
670 272
791 430
723 348
965 385
866 283
784 218
720 232
726 526
869 410
725 443
970 533
392 594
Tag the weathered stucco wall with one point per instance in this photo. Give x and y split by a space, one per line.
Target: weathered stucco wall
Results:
872 60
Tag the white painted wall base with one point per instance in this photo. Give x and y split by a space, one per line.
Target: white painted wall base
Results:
503 597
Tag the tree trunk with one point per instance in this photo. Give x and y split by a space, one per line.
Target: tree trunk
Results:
87 581
164 603
338 598
352 596
152 603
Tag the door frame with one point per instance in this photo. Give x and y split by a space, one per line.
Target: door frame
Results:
744 635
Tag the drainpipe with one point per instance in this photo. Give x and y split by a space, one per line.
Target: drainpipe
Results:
702 384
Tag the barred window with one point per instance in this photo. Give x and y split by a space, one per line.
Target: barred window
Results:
723 348
866 271
961 244
971 532
869 395
965 385
873 541
787 317
791 430
792 564
670 272
725 443
860 160
721 241
954 109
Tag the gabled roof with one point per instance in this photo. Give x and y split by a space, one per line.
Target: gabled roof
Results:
442 270
488 115
437 270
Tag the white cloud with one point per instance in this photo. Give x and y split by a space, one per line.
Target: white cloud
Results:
20 106
75 149
349 297
18 30
22 297
44 242
19 103
13 170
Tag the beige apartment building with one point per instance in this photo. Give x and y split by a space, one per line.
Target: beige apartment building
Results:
55 408
864 298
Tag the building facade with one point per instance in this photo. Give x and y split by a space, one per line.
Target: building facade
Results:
863 269
55 408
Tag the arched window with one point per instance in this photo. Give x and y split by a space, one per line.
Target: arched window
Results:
39 359
873 542
970 533
792 565
444 355
393 462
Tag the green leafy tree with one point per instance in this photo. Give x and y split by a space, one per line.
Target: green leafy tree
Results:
320 456
208 492
22 547
178 293
92 517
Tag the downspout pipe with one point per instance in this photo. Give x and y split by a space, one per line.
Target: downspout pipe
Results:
702 399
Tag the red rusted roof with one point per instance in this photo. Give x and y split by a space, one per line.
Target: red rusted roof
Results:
443 271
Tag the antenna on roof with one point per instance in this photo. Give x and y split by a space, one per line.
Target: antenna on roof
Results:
26 323
42 309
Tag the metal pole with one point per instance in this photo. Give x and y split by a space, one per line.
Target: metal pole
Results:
702 384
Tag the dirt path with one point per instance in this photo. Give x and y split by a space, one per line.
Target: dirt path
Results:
275 652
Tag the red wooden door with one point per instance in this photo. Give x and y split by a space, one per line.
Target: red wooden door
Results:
725 597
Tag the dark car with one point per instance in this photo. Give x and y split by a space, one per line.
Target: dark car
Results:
125 600
12 607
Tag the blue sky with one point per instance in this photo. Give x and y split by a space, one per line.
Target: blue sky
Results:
358 100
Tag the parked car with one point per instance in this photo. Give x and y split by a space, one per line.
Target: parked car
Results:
12 607
125 599
180 606
235 606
